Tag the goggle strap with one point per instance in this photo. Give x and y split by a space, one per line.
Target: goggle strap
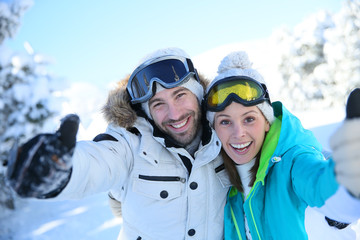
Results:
267 96
190 64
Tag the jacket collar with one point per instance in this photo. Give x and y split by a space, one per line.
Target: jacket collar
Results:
289 132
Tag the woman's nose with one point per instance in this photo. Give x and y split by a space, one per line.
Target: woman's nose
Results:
239 130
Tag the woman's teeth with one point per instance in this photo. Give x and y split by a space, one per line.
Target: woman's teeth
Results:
240 146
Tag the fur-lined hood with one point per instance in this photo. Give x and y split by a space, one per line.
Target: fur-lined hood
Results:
117 109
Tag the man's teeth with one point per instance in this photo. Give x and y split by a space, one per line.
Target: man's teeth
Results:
179 125
239 146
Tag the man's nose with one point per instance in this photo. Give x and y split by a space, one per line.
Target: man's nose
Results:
174 111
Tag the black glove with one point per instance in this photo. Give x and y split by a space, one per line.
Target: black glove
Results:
353 104
345 145
41 167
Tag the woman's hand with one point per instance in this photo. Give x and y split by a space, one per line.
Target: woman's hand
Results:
345 145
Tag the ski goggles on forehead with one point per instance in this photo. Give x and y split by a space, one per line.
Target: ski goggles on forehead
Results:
169 71
240 89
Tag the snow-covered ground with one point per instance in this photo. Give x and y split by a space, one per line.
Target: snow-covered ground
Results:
91 218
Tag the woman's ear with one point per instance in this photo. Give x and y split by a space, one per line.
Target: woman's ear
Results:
267 127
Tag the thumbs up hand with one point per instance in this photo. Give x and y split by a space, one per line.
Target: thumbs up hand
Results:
345 145
41 167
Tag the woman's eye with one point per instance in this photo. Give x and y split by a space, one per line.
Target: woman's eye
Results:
249 119
224 122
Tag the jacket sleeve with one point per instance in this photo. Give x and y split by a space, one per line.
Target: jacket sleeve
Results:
314 181
98 167
342 207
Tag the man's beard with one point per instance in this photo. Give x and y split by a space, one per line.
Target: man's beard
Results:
185 138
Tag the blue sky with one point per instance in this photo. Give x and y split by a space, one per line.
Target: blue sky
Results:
102 41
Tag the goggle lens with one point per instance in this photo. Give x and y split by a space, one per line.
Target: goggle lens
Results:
169 72
240 89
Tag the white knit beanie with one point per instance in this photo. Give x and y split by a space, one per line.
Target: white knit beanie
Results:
192 84
238 64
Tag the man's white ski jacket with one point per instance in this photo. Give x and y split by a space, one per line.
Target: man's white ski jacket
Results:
159 198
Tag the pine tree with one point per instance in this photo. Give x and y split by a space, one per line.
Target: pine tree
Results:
29 95
342 52
11 13
320 59
302 51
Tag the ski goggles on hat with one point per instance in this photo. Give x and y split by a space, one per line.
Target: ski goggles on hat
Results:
169 71
240 89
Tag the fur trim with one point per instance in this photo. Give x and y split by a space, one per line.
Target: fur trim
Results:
118 110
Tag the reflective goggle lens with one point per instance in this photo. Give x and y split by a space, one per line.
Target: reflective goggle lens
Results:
169 72
240 89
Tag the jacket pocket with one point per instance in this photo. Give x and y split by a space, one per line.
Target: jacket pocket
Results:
159 187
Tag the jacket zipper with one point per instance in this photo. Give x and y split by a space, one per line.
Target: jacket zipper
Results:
252 214
162 178
235 223
219 168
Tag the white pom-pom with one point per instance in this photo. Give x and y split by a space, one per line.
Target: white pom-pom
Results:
235 60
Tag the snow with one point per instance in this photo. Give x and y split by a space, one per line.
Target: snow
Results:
91 217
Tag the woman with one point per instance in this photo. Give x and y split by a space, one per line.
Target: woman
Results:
276 166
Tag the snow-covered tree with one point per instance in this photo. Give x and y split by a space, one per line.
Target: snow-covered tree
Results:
342 52
11 13
29 94
319 59
301 52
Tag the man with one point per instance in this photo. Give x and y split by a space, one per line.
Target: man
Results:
158 157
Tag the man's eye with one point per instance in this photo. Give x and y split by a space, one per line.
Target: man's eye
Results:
156 105
180 95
